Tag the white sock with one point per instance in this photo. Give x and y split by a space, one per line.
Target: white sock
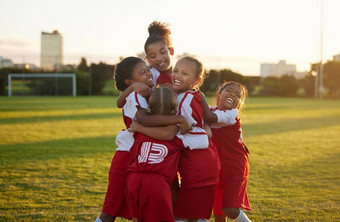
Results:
98 220
202 220
242 217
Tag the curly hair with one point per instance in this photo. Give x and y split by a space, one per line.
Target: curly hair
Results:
124 71
158 32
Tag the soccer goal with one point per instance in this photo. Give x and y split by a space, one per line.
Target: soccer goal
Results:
38 82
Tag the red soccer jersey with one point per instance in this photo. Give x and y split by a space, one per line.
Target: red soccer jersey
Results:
198 167
160 77
164 78
232 153
133 101
156 156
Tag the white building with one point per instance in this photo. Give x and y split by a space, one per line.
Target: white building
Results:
51 51
336 57
277 70
4 63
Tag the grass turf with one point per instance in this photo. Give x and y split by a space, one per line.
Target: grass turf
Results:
55 153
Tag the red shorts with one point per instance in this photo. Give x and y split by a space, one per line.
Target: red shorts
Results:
115 203
232 194
149 197
196 202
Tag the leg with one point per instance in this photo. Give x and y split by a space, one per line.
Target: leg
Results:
106 217
231 213
174 187
236 214
220 218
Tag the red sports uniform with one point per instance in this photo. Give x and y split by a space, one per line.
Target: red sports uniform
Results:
198 167
115 203
231 188
155 167
160 78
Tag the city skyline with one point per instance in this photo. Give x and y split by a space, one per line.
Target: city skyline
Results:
223 34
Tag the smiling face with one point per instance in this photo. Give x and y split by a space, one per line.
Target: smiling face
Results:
229 98
141 73
159 56
184 76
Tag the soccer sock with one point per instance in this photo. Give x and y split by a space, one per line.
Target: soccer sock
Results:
98 220
242 217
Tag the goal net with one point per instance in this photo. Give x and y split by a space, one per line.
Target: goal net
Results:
42 84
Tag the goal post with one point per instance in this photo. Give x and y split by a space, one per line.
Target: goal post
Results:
55 75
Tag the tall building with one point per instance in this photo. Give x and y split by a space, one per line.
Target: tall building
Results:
336 57
279 69
51 51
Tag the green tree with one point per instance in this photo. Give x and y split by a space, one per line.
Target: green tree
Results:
99 75
270 86
331 78
308 84
288 86
83 65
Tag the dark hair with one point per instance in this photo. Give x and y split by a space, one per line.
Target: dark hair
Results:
243 90
200 72
158 32
162 102
124 71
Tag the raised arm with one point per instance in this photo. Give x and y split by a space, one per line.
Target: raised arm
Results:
141 88
161 132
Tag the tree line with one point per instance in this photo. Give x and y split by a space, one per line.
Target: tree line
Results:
94 78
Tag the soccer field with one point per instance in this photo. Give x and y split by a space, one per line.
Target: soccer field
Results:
55 153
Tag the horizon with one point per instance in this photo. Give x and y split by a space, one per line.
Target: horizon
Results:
247 34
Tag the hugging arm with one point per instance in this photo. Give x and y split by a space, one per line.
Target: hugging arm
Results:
159 132
141 88
163 120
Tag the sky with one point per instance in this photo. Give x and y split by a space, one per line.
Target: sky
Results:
237 35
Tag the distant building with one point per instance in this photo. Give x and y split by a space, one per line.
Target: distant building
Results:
5 63
336 57
277 70
51 51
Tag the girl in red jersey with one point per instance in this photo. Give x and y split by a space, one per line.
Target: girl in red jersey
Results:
198 168
198 165
231 194
127 72
155 166
159 52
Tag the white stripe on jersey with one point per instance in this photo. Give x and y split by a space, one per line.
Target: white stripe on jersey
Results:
132 101
143 157
158 157
159 152
185 108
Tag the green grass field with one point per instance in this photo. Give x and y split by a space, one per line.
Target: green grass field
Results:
55 153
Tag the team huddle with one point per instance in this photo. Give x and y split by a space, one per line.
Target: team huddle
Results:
178 159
